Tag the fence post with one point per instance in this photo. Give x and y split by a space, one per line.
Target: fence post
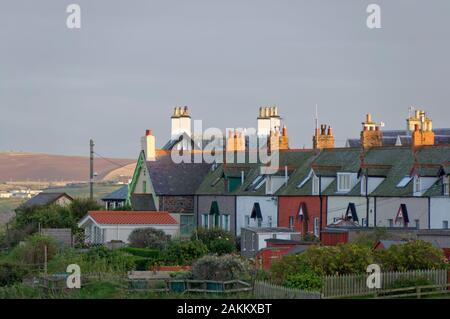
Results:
418 289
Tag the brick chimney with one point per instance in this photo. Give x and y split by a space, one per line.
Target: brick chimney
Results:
422 135
148 145
323 137
284 139
235 141
181 122
371 135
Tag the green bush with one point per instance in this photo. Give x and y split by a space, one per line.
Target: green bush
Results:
142 252
183 252
223 268
307 280
148 238
410 282
215 239
414 255
32 252
11 273
222 246
79 207
288 265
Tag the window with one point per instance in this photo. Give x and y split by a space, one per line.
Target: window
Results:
205 220
259 222
247 221
405 181
226 222
274 236
291 222
417 185
261 183
417 222
446 185
304 182
363 222
144 186
391 222
316 226
315 186
186 224
269 221
445 224
343 182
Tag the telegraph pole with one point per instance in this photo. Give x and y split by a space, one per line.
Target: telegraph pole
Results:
91 173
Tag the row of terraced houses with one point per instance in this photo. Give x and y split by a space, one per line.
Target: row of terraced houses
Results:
397 179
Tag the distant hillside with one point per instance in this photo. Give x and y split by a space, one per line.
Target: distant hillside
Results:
44 167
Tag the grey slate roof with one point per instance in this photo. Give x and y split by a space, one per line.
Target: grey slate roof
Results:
44 199
169 178
117 195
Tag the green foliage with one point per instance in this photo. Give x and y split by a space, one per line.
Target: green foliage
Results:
222 246
32 252
149 238
406 283
79 207
19 291
307 280
181 274
369 239
414 255
288 265
142 252
11 273
184 252
223 268
217 240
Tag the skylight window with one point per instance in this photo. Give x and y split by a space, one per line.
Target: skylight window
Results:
405 181
257 180
261 183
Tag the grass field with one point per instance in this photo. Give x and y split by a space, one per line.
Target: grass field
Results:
83 191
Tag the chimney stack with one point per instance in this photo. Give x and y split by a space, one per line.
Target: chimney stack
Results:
423 130
371 135
323 137
148 145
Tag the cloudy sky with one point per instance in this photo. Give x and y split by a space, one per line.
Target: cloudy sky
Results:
133 61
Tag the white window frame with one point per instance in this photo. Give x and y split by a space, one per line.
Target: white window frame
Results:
247 220
269 221
417 185
446 185
225 222
348 180
316 226
205 221
315 185
404 182
417 223
445 224
291 222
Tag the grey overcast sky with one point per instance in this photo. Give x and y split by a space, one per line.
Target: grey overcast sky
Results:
133 61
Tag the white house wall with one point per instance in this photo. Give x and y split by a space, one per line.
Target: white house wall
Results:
387 208
244 207
439 211
122 232
337 208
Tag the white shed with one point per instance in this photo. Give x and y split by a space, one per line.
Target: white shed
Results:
101 227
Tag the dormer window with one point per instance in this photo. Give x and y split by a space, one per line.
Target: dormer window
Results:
445 185
404 182
315 185
417 186
343 182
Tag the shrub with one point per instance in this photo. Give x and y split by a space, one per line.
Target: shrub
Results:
32 252
142 252
307 280
209 236
288 265
184 252
11 273
102 259
222 246
407 282
148 238
223 268
79 207
414 255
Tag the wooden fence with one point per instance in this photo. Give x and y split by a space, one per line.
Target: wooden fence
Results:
356 285
266 290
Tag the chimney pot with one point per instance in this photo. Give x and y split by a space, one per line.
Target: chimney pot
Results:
148 132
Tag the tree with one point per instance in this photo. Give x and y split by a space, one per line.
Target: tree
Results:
79 207
223 268
148 238
217 240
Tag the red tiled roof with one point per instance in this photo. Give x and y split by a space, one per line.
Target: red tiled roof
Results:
132 218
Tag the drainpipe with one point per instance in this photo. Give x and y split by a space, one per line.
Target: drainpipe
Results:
367 198
320 200
242 177
285 175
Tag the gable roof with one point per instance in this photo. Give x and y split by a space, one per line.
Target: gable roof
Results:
44 199
130 218
169 178
118 194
